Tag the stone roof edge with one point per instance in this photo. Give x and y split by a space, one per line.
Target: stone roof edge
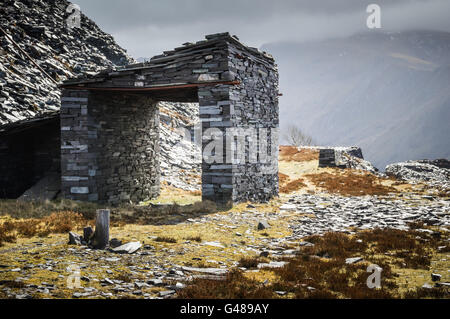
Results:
210 39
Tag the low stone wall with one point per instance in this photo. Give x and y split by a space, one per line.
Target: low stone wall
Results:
334 156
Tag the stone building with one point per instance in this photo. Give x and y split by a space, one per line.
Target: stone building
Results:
109 123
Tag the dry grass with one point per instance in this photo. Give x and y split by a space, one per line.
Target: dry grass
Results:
350 183
292 186
165 239
6 233
39 209
124 276
334 245
152 214
320 271
234 286
196 193
163 214
292 153
59 223
283 178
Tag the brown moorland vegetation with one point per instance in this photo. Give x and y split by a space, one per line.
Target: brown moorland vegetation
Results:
61 222
320 271
293 153
292 186
348 182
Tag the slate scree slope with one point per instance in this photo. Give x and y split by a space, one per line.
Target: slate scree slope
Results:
109 123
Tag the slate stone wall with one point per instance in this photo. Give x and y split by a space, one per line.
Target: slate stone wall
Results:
26 157
216 116
110 147
255 110
127 146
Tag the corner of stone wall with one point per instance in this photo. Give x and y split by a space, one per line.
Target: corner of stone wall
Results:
77 181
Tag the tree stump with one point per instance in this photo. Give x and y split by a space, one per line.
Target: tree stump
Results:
100 239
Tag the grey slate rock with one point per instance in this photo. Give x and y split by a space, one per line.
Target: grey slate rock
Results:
166 293
114 243
88 232
263 224
74 239
127 248
436 277
211 271
155 282
353 260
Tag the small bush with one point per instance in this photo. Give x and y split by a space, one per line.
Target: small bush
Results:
198 239
61 222
164 239
234 286
249 262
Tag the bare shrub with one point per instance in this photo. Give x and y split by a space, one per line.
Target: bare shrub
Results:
296 137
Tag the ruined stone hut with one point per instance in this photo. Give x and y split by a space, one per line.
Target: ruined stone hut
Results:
109 138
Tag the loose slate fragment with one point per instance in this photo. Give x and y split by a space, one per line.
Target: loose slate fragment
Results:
128 248
353 260
74 239
114 243
263 224
272 264
212 271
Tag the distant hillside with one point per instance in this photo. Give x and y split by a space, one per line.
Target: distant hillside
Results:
388 93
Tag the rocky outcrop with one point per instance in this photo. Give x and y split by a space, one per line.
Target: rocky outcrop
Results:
433 172
346 159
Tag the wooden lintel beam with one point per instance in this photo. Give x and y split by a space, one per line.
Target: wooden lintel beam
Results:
154 88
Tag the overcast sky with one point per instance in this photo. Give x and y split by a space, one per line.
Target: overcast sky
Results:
147 27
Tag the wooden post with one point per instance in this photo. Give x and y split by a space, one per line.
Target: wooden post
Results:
101 235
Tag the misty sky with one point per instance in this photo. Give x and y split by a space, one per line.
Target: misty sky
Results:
147 27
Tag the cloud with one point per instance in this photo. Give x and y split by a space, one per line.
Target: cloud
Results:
147 28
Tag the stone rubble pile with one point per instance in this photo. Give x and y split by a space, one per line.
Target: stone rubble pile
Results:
354 162
336 213
433 172
343 157
180 158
